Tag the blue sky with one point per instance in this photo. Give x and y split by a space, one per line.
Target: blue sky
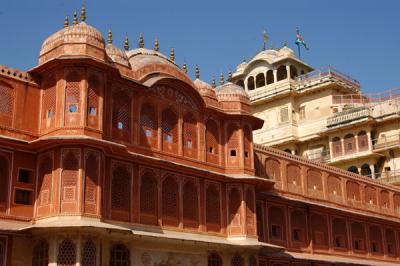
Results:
360 38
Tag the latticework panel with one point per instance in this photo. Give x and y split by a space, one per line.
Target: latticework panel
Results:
190 201
234 206
89 253
349 144
6 104
212 141
70 176
121 116
91 182
214 259
169 129
40 254
49 104
248 139
72 100
337 147
119 255
45 179
189 136
4 177
250 208
233 144
213 210
237 260
148 126
93 101
120 189
170 197
66 253
362 141
148 195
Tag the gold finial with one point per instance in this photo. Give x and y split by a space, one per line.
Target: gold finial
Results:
172 55
265 39
230 76
141 41
271 47
156 48
213 84
110 40
197 72
126 43
221 79
83 12
75 19
66 22
185 68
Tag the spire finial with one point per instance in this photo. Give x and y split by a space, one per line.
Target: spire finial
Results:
141 41
66 22
83 12
126 43
271 47
230 76
265 39
75 19
185 68
197 72
221 79
110 37
156 48
172 55
213 83
244 59
285 43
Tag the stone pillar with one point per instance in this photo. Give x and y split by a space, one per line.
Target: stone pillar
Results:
372 168
356 140
288 71
370 147
330 148
53 251
79 251
343 150
275 72
245 84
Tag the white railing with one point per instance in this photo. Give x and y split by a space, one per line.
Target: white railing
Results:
386 141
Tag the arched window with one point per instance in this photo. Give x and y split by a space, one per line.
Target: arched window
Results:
353 169
148 126
169 128
4 179
93 101
365 170
6 104
314 183
237 260
362 139
233 146
240 83
119 255
270 77
370 195
260 80
336 147
72 99
294 178
250 83
214 259
212 142
148 197
353 191
120 189
273 169
293 72
281 73
349 144
70 176
49 103
170 199
89 253
45 180
235 201
91 183
334 188
189 136
213 209
121 116
66 253
40 254
248 139
190 202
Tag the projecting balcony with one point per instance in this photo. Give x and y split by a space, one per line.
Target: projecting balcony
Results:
319 156
349 116
389 177
386 142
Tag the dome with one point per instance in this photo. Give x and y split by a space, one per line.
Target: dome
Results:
141 57
204 88
117 55
231 92
285 51
77 36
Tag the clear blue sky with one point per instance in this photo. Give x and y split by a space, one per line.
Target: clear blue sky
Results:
360 38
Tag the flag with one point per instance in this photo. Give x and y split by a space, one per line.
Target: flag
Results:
300 39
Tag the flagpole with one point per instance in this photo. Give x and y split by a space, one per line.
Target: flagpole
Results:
298 49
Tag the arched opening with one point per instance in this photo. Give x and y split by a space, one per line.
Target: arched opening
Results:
169 129
240 83
353 191
89 253
170 201
213 208
260 80
119 255
40 254
190 136
281 73
148 199
314 183
365 170
294 178
362 139
121 116
270 77
190 205
273 169
250 83
120 193
349 144
91 183
235 201
337 147
288 151
353 169
370 195
293 72
148 126
334 188
385 199
66 253
237 260
214 259
212 142
48 103
93 101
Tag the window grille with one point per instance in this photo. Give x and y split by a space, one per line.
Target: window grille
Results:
66 253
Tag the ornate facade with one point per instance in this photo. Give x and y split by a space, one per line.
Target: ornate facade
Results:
112 157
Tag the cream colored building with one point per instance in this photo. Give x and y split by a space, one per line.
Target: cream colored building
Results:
321 114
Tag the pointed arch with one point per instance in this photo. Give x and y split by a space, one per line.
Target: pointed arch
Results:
170 201
119 255
148 198
66 253
169 130
148 126
93 105
89 253
121 116
190 204
121 192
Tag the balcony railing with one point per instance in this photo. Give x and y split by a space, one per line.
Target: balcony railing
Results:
386 142
347 116
389 177
367 98
318 156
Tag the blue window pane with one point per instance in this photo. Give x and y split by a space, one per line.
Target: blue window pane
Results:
169 139
73 108
189 143
92 110
148 133
120 125
49 113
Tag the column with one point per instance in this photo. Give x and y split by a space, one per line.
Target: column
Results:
275 72
245 85
356 140
372 168
343 150
53 251
370 147
288 71
79 251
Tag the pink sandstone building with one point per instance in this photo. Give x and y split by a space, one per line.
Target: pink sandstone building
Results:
112 157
